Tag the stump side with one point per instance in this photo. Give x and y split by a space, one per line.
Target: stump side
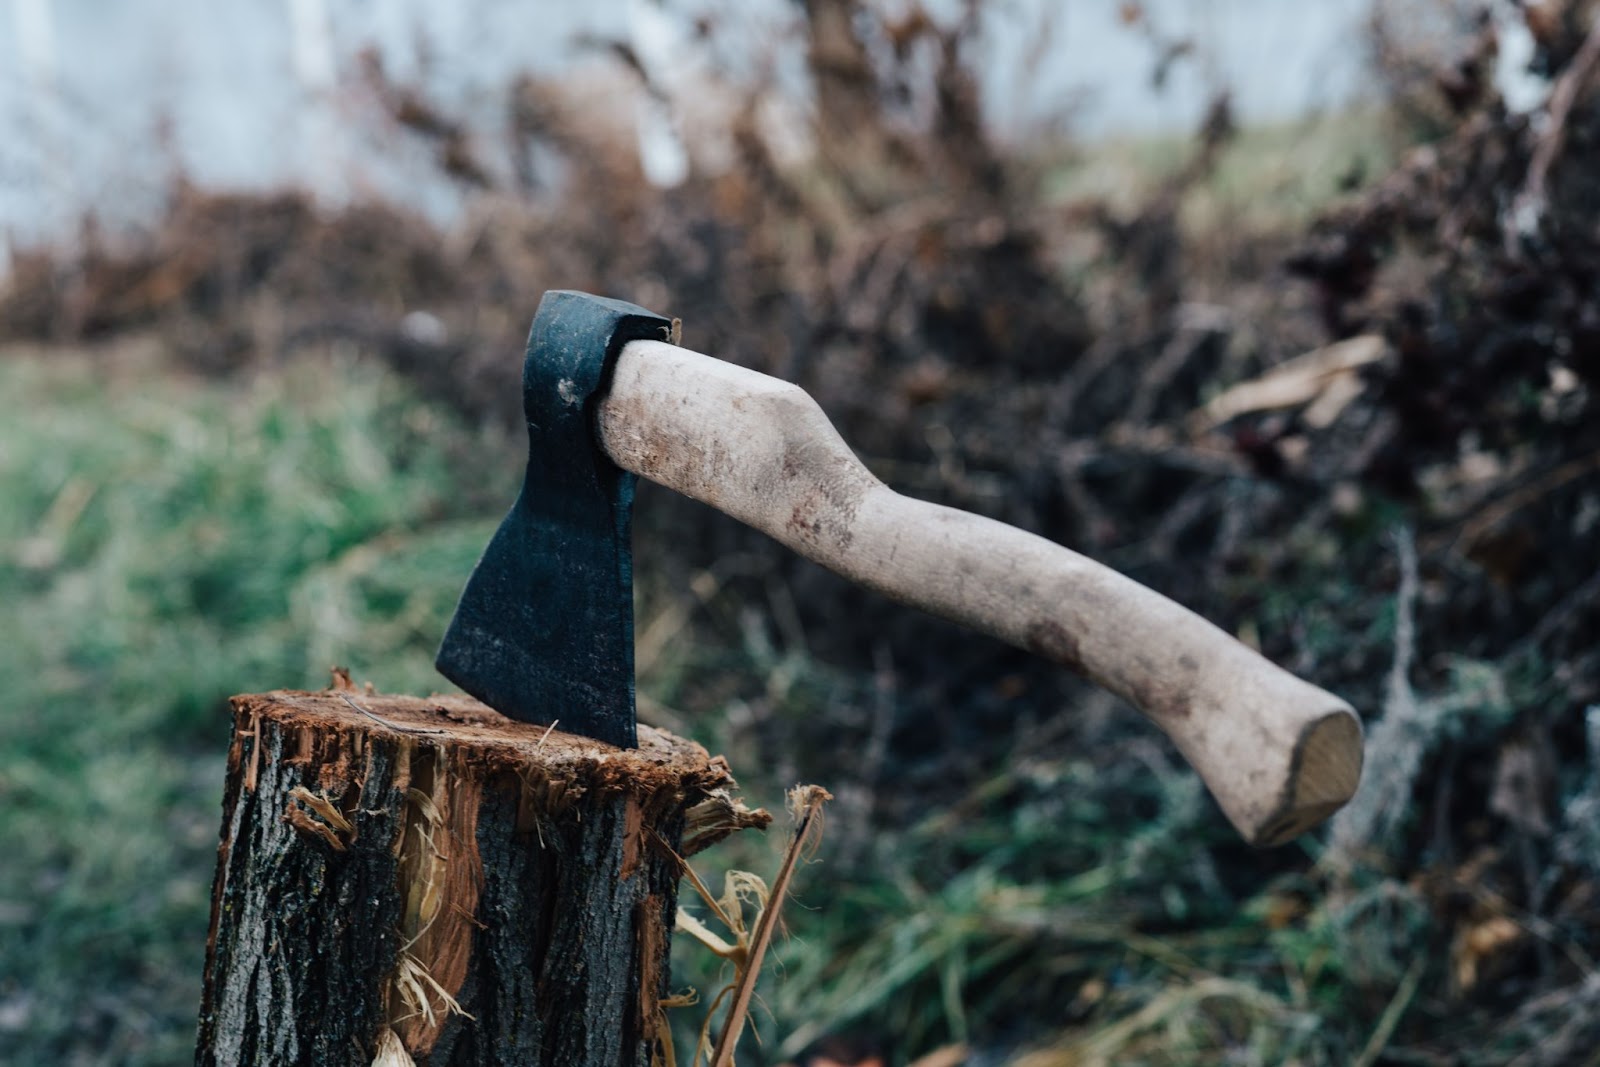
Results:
489 891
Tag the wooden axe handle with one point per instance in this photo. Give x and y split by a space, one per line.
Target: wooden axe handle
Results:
1278 753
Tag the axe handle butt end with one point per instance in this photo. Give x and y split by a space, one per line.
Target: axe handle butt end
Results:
1278 753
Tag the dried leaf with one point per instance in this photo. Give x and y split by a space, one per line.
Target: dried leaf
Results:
1325 377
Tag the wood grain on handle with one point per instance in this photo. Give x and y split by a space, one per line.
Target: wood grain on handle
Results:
1278 753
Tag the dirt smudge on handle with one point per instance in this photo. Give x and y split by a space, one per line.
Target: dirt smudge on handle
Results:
1050 639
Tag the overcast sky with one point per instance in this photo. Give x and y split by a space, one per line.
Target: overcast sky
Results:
103 101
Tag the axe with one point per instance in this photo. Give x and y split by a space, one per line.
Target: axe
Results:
544 628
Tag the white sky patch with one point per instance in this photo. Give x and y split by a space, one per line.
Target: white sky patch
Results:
658 40
36 40
1522 90
312 35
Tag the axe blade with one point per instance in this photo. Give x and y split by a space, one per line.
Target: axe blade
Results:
544 628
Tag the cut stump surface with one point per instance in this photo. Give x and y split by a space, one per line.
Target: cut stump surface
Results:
426 873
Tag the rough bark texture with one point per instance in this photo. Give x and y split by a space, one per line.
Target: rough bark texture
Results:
483 890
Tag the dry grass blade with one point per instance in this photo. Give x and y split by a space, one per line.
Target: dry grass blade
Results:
806 803
1324 378
729 910
1117 1042
1391 1014
949 1056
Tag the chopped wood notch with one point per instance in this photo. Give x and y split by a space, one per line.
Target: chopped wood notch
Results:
428 875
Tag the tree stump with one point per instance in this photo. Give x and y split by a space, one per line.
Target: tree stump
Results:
424 877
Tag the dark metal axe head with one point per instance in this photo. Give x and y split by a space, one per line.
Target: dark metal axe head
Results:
544 629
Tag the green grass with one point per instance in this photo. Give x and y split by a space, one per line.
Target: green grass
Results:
1270 179
163 544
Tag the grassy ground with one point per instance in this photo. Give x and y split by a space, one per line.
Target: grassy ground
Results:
164 543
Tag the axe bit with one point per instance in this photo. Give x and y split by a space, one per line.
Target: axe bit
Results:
544 630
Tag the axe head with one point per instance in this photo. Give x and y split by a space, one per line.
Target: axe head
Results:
544 629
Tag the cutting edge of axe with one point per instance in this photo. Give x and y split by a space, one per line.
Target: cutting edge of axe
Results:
1279 754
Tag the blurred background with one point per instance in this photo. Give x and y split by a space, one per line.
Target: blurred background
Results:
1291 311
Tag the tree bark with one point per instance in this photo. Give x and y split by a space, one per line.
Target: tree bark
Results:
428 875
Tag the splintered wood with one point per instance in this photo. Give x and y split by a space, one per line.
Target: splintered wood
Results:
424 881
